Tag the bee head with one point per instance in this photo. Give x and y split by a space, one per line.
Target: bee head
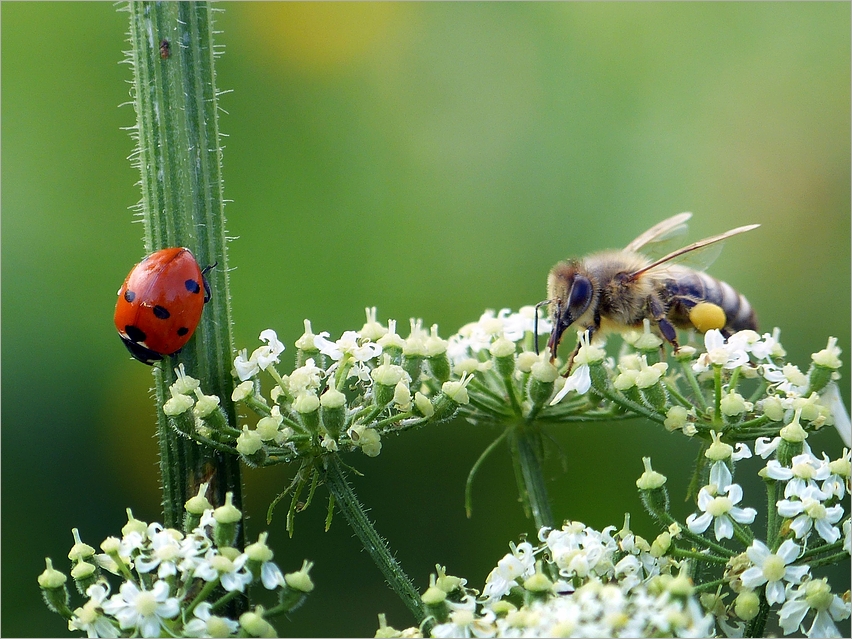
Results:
570 292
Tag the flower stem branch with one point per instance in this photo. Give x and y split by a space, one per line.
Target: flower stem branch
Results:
527 454
354 513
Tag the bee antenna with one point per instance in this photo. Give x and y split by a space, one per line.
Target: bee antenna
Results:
535 323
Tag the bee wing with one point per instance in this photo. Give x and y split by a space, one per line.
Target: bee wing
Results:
693 249
665 230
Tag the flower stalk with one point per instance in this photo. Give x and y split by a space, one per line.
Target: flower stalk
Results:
354 513
179 157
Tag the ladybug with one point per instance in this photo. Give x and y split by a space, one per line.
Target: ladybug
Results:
160 303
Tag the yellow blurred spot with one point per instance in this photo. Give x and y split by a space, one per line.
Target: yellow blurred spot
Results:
706 316
318 37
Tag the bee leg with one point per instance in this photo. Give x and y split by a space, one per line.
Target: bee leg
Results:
667 329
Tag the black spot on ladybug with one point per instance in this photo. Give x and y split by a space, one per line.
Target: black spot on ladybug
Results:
134 333
183 330
161 312
192 286
129 295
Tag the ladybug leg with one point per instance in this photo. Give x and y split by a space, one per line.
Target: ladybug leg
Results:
207 294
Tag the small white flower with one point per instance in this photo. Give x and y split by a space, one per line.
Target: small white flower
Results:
773 569
348 345
142 610
89 618
267 355
164 551
580 381
788 379
720 509
806 470
730 354
305 379
809 512
813 595
520 563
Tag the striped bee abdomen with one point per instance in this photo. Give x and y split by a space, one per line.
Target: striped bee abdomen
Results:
686 288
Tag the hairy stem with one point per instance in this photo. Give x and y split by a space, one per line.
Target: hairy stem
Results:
354 513
179 157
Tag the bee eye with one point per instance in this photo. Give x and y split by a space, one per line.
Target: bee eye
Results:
580 297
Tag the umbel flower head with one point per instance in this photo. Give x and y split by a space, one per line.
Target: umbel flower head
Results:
172 583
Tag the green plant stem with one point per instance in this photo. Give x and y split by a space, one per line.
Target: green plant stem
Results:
179 157
527 450
354 513
468 487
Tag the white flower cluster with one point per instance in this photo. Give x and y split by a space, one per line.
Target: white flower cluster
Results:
610 584
174 584
814 491
345 394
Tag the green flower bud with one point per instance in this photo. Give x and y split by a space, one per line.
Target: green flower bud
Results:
249 442
227 519
79 551
53 588
747 605
423 405
436 605
177 405
51 578
333 411
650 479
259 551
133 525
84 574
301 580
255 625
198 504
773 408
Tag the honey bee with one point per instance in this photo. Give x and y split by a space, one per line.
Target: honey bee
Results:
616 290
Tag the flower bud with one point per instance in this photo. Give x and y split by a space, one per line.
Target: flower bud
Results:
255 625
267 427
243 390
538 585
773 408
300 580
258 551
84 574
51 578
227 519
423 405
747 605
195 507
53 588
205 405
660 546
675 418
333 411
177 405
372 330
434 599
79 551
370 442
249 442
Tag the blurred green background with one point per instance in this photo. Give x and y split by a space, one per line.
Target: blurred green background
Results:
433 160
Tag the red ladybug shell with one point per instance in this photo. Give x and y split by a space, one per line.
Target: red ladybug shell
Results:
160 303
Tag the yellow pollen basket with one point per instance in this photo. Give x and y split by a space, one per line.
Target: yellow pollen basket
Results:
706 316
